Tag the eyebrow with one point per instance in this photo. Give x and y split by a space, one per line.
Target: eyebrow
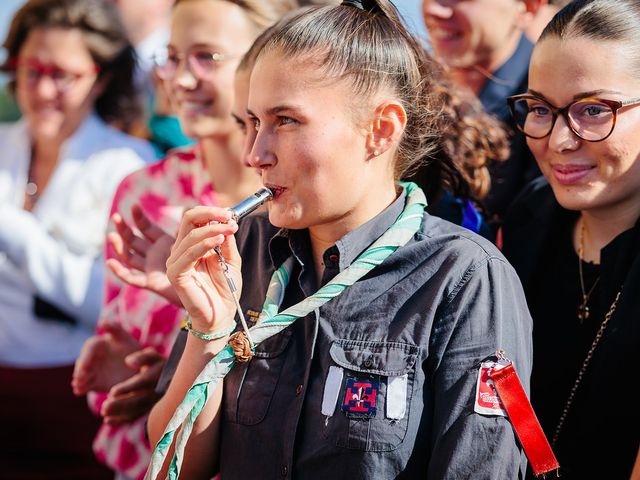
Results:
208 46
282 108
577 96
276 110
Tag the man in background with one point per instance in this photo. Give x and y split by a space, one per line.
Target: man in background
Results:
482 42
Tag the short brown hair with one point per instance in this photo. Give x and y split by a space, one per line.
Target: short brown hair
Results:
105 38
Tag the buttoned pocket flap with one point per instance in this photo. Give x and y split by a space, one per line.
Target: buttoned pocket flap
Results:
391 359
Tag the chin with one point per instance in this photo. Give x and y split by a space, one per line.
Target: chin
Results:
281 219
570 199
49 130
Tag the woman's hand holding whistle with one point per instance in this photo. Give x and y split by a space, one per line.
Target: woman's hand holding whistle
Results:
195 270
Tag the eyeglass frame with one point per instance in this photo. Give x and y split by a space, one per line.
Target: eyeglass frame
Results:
217 58
615 105
46 70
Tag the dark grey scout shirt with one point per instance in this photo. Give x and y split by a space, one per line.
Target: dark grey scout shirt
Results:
380 382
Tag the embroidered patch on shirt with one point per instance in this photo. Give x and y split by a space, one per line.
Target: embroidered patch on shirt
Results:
487 400
360 400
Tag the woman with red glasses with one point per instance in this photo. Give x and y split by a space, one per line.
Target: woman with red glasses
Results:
574 236
71 66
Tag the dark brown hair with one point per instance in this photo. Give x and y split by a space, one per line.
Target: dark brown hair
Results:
371 48
606 20
106 40
469 140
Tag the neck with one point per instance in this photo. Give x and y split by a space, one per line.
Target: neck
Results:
231 180
601 228
45 154
476 76
326 235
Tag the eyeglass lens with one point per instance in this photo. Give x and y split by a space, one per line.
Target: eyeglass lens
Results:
201 63
33 71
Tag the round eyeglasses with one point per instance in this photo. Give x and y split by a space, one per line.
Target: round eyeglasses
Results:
591 119
201 63
31 71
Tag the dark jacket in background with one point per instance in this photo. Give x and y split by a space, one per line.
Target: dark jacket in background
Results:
510 177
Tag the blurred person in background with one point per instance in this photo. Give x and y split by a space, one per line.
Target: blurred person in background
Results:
9 111
72 72
543 16
482 43
457 179
138 325
147 23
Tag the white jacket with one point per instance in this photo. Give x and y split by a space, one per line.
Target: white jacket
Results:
56 251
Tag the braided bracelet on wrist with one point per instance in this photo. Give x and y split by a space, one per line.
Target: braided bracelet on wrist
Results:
208 336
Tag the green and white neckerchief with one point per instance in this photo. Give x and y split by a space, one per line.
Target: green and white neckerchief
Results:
271 322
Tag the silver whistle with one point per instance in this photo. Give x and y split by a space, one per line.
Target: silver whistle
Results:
244 208
249 204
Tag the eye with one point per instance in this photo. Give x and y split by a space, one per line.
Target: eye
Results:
284 120
594 110
172 59
256 123
591 112
241 124
539 109
205 57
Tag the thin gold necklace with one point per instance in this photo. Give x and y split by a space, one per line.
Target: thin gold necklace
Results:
583 308
583 369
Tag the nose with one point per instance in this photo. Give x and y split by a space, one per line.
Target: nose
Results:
46 87
562 138
436 8
184 77
261 154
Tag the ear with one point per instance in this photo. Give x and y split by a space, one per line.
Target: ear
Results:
386 128
100 85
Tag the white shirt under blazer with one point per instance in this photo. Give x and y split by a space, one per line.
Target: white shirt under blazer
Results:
55 252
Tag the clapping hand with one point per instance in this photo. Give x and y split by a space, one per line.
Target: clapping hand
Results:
114 362
141 259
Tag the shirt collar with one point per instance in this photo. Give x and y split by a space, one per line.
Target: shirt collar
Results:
296 242
511 76
82 143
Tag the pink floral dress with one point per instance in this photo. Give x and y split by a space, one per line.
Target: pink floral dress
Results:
163 190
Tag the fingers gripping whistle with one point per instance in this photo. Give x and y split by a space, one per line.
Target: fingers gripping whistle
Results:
242 209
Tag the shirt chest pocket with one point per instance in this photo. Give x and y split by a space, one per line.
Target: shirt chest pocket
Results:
367 395
248 388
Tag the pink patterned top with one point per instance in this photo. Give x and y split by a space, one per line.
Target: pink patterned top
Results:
162 190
